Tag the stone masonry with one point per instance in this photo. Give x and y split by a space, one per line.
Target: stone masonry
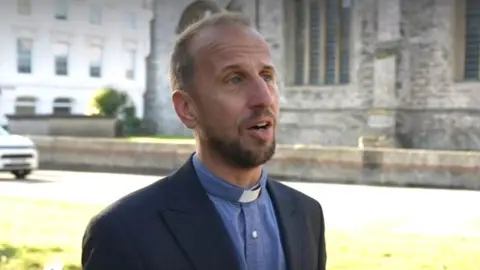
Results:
403 85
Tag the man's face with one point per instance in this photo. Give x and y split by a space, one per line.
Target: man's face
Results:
235 95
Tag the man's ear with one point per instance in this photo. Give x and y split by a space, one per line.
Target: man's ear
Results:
185 108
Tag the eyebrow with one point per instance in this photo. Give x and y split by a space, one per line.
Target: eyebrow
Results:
267 67
270 68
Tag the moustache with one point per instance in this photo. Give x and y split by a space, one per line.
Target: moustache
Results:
258 115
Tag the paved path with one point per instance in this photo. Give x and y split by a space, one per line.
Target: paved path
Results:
426 211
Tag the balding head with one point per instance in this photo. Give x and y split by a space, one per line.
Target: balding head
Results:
182 62
225 89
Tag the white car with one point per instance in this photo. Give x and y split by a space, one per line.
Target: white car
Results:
18 154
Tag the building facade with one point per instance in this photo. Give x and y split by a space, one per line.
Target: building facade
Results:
54 54
401 73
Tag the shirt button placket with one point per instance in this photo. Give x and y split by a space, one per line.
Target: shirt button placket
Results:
251 241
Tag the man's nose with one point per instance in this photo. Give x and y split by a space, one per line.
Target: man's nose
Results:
261 93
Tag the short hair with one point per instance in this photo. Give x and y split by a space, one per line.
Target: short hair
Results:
182 62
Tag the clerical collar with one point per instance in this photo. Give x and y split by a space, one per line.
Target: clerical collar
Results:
220 188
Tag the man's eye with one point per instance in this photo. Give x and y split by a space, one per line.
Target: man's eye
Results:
235 79
267 77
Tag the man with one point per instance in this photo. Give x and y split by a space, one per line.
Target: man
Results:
219 210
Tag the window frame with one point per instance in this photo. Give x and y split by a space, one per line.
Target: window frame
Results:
460 36
61 10
95 65
301 74
23 102
130 71
62 106
23 57
57 58
130 19
24 7
95 16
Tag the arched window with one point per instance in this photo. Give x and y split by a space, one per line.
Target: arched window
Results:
25 106
62 106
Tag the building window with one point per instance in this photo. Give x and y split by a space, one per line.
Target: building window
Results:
24 55
61 9
148 4
130 20
320 42
95 61
472 40
25 106
62 106
95 14
61 58
130 64
24 7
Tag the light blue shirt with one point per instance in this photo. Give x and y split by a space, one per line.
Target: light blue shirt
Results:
252 226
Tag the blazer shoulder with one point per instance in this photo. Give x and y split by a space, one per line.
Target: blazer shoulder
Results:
115 229
138 202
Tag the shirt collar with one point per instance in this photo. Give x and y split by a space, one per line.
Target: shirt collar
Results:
225 190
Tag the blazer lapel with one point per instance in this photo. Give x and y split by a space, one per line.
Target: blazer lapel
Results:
291 224
195 223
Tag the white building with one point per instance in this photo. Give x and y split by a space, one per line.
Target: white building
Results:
54 54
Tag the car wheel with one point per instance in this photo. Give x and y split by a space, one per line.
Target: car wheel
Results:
21 174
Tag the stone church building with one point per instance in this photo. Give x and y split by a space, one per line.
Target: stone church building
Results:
397 73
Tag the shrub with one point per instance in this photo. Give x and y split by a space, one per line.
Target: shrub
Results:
111 102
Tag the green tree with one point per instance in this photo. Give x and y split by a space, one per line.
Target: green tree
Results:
110 102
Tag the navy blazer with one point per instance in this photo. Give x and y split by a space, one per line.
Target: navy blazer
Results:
172 225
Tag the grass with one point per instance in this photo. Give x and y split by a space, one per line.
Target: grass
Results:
374 249
34 232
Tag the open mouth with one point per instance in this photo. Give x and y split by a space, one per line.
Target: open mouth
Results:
261 126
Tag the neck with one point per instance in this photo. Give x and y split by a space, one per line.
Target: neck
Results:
244 178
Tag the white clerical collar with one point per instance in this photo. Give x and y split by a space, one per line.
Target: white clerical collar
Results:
222 189
250 195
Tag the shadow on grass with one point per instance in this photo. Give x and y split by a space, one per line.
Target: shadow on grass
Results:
28 258
7 251
26 181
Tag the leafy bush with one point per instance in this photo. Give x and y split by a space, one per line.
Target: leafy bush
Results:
114 103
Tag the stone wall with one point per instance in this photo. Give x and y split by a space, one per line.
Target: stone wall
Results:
64 125
387 167
436 110
159 112
321 126
445 129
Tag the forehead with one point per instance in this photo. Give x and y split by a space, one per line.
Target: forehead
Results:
225 46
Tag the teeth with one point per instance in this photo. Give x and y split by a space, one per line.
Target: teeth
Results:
262 124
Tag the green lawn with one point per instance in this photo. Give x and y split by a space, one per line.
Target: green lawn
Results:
33 232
